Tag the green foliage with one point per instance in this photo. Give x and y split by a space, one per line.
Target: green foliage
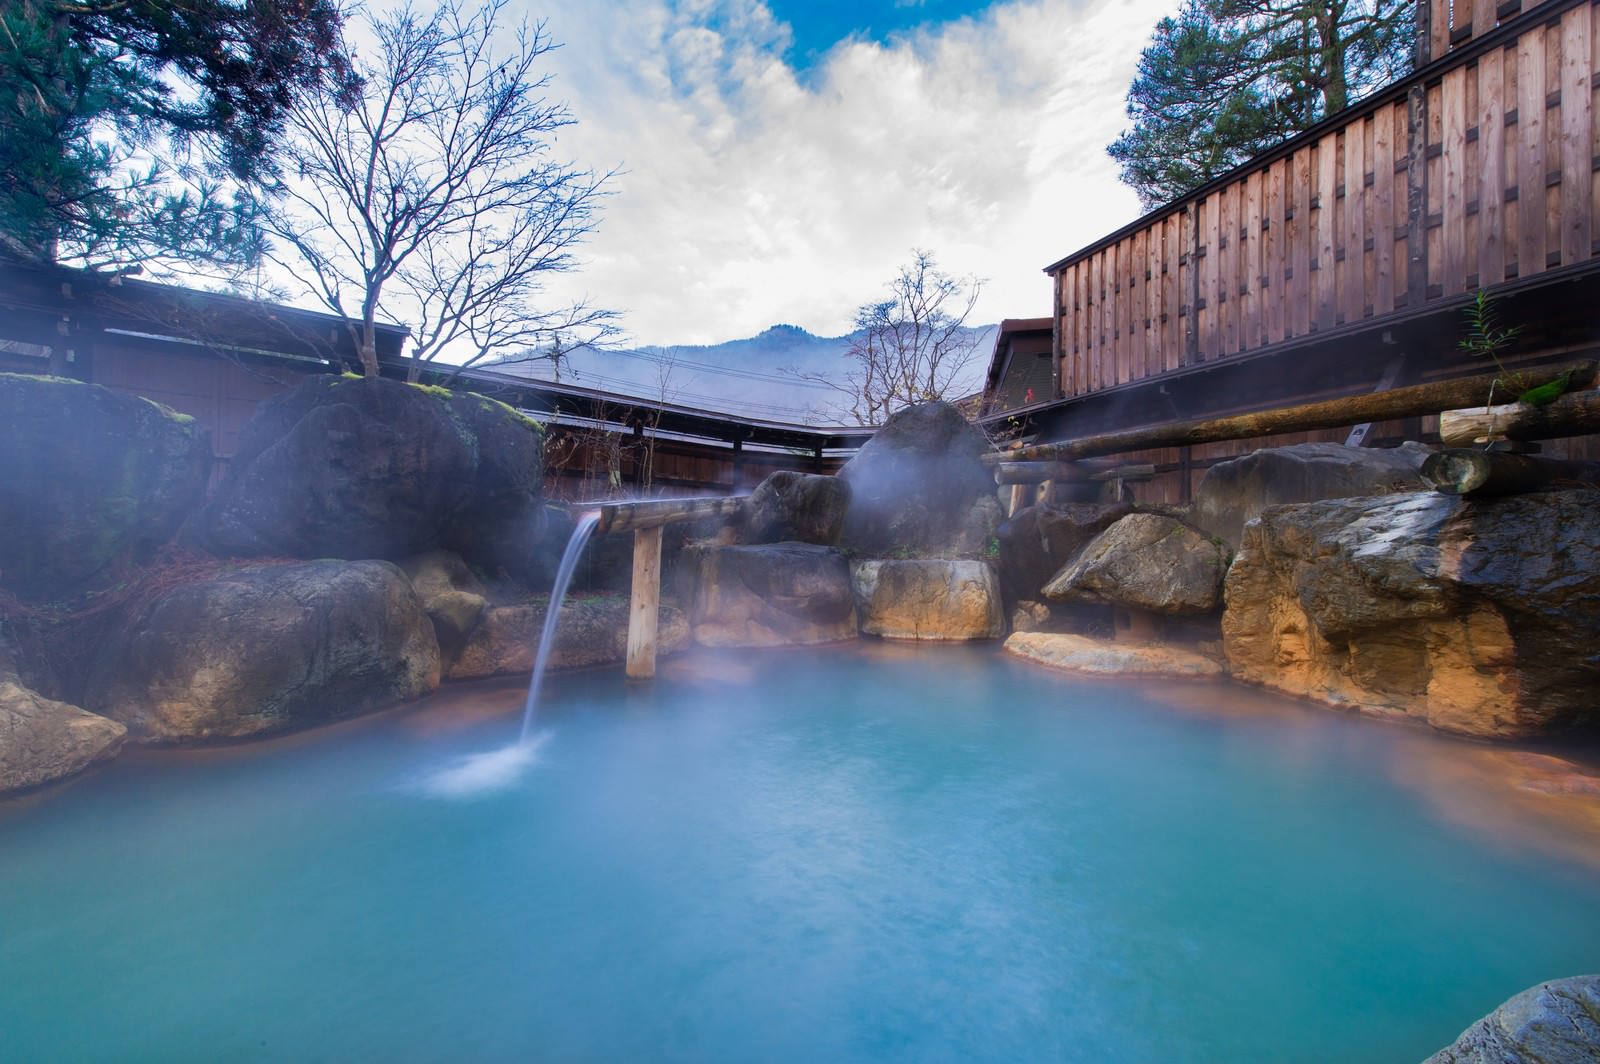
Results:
122 124
1225 80
1487 338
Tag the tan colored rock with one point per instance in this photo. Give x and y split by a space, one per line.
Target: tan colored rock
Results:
268 649
453 598
928 598
1476 616
591 631
1145 562
1098 657
42 740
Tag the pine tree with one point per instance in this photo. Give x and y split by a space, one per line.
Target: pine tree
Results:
1227 79
122 122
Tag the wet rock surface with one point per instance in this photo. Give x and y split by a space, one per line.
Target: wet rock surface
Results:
1553 1023
42 740
919 488
796 507
453 598
776 594
91 476
372 468
1039 541
1232 493
1477 616
928 598
591 631
1085 654
1146 562
267 649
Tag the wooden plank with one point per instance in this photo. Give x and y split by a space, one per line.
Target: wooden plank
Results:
1228 269
1190 285
1274 252
1577 149
1353 275
1152 300
1491 168
1453 140
1105 364
1250 332
1117 295
1211 228
1483 16
1382 195
1439 28
1080 364
1416 196
1530 153
1325 274
1172 326
1299 232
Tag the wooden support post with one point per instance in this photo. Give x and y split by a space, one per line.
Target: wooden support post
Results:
1019 498
645 604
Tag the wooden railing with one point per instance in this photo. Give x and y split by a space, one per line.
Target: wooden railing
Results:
1478 170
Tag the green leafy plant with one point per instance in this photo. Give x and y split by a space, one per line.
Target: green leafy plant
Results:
1487 338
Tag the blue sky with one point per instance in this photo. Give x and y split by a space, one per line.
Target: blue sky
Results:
781 158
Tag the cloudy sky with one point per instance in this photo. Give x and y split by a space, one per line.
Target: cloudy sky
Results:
781 158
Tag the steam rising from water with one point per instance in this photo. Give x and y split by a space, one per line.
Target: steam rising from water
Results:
492 770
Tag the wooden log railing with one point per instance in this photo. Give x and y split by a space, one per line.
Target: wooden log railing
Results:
1416 401
1477 171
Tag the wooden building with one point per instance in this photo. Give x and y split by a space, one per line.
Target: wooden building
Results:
216 357
1342 261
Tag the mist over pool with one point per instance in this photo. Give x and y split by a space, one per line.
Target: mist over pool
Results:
881 853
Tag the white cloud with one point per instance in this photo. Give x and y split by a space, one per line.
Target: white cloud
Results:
754 195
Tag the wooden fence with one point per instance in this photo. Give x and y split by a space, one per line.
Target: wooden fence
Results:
1477 171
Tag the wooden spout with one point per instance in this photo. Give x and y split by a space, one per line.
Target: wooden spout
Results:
653 513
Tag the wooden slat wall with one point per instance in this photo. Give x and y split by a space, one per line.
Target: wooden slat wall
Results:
1488 169
1453 23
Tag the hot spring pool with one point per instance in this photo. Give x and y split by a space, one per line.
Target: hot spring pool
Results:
878 854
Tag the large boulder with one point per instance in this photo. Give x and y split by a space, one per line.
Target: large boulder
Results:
1145 562
91 475
268 649
1553 1023
802 507
1232 493
919 489
42 740
1038 541
928 598
592 630
341 467
1478 616
771 595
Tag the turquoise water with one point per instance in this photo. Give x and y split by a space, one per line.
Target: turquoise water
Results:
886 855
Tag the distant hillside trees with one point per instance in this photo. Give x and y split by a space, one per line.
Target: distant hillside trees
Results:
431 195
1225 80
123 125
907 348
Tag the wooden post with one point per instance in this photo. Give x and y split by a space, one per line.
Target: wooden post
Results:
1019 498
645 603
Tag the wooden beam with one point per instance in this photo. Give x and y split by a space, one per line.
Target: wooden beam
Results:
1070 472
644 604
648 513
1468 471
1415 401
1573 414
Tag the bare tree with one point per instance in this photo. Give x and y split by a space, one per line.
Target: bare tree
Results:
910 347
427 192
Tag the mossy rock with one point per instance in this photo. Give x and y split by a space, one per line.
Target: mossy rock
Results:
92 475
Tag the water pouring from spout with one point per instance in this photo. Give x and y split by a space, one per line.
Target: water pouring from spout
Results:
569 562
